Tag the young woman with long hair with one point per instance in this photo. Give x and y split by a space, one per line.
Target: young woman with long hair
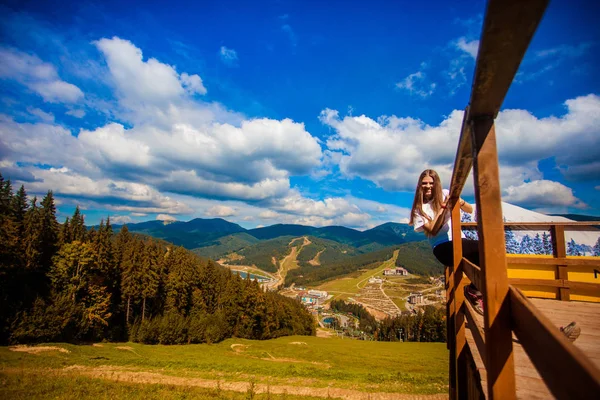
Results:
428 207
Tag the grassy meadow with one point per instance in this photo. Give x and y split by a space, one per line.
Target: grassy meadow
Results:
290 367
346 286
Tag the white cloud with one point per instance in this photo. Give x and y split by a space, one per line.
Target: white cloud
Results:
44 116
40 77
175 142
145 82
120 219
192 84
165 217
542 193
77 113
392 151
221 211
120 195
417 84
228 56
470 47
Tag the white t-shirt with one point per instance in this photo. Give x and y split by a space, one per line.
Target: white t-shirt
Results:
445 233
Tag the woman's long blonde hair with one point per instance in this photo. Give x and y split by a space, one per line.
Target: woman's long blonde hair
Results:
437 194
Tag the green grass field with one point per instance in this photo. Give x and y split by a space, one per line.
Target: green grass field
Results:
290 367
346 286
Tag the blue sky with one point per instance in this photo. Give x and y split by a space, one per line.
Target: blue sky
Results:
320 113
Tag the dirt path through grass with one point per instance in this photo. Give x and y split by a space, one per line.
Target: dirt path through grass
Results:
121 374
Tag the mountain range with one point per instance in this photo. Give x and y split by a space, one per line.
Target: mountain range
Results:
209 232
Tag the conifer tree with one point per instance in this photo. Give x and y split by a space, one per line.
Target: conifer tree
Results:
538 246
9 230
49 231
573 248
512 245
20 205
526 245
596 249
78 231
149 274
547 243
131 284
65 235
33 239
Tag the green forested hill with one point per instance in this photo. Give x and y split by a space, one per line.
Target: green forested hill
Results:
262 253
416 257
61 282
226 245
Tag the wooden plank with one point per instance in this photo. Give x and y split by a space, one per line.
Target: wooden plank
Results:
492 255
451 340
476 329
554 261
555 283
593 288
508 28
559 251
459 299
568 373
473 272
527 225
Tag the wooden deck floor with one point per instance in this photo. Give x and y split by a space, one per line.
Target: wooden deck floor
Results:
529 383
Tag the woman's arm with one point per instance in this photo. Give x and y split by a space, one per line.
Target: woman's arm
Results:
428 227
466 207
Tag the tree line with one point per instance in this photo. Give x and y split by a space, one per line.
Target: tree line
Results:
63 282
426 326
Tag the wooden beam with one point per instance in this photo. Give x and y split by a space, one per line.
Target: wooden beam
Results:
459 298
528 225
592 288
451 337
559 251
473 272
463 162
508 28
553 283
492 255
568 373
476 330
573 262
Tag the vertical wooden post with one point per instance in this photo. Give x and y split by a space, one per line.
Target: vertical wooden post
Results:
498 334
459 299
450 336
559 250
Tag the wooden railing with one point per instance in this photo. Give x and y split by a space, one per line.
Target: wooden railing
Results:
558 260
508 28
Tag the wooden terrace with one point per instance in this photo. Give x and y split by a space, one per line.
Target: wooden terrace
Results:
516 349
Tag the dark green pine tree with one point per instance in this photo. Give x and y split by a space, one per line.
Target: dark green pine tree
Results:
65 235
49 231
33 241
131 280
9 233
78 231
9 260
20 205
150 274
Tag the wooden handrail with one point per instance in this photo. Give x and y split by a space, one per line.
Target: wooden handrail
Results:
508 28
568 373
476 330
529 225
473 272
524 259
